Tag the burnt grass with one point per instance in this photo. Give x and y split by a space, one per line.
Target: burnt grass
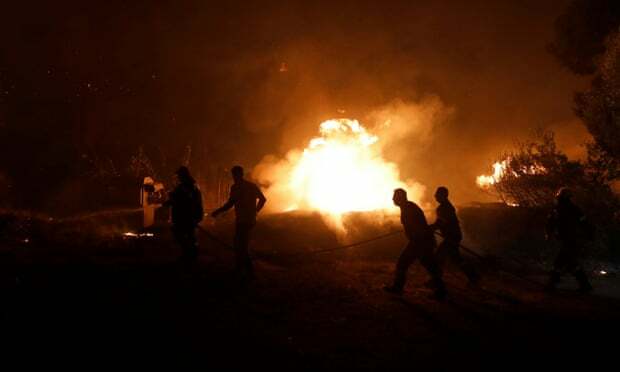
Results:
78 294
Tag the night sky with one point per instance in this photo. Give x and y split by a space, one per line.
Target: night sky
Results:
240 80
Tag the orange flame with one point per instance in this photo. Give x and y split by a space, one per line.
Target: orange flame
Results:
500 171
341 171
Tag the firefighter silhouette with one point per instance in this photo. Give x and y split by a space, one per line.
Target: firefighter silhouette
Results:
420 247
448 225
248 200
568 224
185 202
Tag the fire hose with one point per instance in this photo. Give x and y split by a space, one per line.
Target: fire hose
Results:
215 238
383 236
337 248
340 247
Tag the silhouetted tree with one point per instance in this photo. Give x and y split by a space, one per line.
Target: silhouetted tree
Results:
141 166
587 41
599 108
581 31
534 171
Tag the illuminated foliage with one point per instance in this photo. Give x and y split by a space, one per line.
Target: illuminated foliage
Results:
531 174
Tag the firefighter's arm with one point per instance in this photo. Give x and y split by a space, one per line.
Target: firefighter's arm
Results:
440 220
261 200
199 203
229 204
169 201
409 233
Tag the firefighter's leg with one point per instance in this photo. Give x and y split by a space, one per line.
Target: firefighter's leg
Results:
242 254
582 278
562 261
554 280
192 243
407 257
442 254
465 266
180 236
573 265
249 265
238 245
429 261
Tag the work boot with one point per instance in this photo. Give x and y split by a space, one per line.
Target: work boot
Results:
393 290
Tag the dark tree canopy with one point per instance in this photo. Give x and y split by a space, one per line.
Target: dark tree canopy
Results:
599 108
587 41
581 31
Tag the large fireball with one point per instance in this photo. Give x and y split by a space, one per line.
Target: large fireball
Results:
340 171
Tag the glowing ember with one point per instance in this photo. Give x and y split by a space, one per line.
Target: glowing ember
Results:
340 171
138 235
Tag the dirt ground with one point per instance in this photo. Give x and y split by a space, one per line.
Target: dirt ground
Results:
130 301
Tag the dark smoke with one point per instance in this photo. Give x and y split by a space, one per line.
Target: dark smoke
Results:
239 80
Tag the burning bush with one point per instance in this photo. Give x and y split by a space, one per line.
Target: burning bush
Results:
530 175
